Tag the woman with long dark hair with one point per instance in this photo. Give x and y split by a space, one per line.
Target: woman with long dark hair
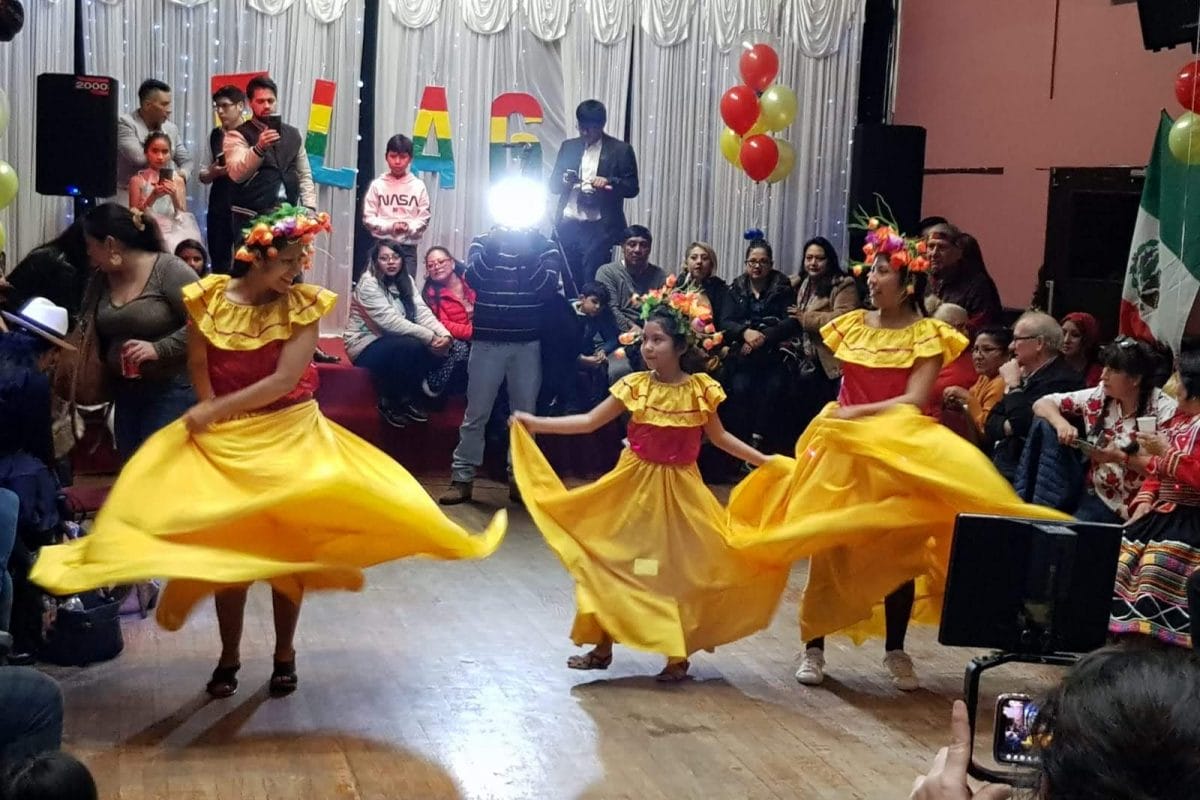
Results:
393 334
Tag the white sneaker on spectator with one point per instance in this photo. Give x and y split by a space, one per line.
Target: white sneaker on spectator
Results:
900 665
812 667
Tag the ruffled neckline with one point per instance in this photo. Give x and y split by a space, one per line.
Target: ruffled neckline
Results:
687 404
233 326
853 341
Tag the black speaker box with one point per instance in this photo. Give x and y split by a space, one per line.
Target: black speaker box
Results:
1167 23
888 161
76 135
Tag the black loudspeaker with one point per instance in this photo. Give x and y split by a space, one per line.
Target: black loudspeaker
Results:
888 161
1167 23
76 135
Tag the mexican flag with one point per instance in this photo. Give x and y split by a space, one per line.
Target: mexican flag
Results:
1163 276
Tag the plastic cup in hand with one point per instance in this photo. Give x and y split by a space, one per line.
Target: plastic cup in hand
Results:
1147 424
129 368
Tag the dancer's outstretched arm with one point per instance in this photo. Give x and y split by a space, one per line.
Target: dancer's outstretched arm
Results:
731 444
598 417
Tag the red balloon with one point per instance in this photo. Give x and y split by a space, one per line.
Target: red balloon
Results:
739 108
760 154
1187 92
759 65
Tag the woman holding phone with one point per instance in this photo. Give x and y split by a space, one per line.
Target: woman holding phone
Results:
161 193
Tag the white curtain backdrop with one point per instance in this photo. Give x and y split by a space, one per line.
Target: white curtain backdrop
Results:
475 68
688 191
43 46
185 43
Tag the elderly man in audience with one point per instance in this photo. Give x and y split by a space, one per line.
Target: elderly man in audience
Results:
961 371
1034 371
633 274
153 114
958 275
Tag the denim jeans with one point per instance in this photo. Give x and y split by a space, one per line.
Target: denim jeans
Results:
489 364
31 714
145 407
10 505
397 365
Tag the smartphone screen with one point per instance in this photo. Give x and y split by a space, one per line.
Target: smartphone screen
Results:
1013 739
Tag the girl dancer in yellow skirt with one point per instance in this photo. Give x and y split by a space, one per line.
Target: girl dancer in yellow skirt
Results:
646 543
875 487
253 483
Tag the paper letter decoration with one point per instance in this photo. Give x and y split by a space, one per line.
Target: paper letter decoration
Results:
433 114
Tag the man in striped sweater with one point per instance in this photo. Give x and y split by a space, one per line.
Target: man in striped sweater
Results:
513 273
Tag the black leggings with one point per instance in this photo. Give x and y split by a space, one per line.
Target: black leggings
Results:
897 608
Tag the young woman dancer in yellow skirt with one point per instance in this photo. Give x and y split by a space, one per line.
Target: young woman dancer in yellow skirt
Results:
646 543
253 483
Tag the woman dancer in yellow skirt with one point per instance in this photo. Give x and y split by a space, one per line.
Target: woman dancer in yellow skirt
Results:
646 543
875 487
253 483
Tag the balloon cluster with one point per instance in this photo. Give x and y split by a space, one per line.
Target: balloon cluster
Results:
753 108
1184 139
8 175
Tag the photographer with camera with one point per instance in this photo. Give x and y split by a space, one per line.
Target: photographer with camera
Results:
1122 724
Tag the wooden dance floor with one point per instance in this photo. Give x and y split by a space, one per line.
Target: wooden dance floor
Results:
447 680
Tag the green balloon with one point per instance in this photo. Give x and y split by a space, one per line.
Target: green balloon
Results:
1184 138
8 184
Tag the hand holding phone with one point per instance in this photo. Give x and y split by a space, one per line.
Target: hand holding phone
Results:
166 174
1084 446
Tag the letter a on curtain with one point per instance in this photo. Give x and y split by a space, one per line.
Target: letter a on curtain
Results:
433 115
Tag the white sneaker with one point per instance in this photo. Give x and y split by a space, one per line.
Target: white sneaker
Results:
900 666
812 667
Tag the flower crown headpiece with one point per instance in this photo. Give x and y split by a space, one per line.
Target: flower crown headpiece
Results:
692 313
267 234
885 239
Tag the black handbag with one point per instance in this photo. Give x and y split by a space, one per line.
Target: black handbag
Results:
84 633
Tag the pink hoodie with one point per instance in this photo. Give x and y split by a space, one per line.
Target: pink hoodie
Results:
390 200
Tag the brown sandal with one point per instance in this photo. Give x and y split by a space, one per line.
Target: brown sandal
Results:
674 672
589 660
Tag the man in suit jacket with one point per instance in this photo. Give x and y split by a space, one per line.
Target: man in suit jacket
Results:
153 114
593 174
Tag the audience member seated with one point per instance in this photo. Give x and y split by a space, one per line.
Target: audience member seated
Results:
959 373
1109 415
1160 548
1081 345
28 353
757 321
1122 724
159 191
967 410
958 275
393 334
633 274
57 270
599 328
145 342
1035 370
31 718
452 301
50 776
192 253
824 293
699 266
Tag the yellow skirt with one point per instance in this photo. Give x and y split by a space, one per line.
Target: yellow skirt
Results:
872 503
646 546
286 496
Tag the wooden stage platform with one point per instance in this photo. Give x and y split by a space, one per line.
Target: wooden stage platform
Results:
447 680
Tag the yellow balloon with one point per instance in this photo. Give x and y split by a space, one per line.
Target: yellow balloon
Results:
787 160
3 238
1184 138
778 105
760 126
8 184
731 147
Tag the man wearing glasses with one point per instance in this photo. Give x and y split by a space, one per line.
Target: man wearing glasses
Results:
1034 370
593 174
230 104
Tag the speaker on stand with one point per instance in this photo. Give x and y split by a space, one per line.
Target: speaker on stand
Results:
76 136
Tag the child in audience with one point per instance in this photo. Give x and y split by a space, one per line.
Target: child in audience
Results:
194 255
53 775
599 328
396 206
159 191
646 543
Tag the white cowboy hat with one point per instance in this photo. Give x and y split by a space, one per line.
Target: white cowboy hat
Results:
43 318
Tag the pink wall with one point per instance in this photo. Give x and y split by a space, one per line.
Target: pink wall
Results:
977 74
